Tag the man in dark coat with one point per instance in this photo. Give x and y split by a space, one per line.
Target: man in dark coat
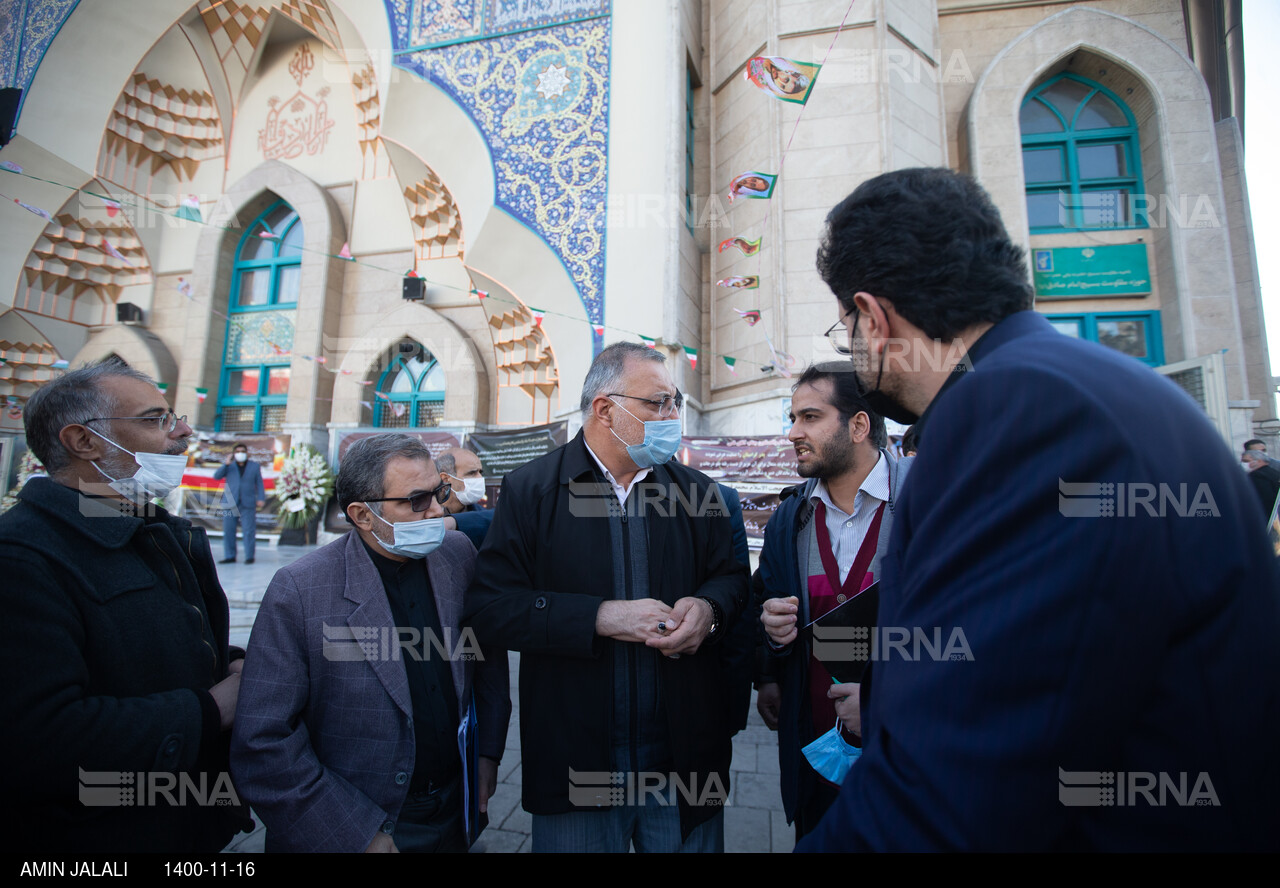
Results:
610 568
1265 479
1118 603
120 686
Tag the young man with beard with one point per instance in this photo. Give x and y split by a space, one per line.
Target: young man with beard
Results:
821 548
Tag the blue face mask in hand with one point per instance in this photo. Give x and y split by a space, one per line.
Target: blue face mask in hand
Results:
831 756
661 441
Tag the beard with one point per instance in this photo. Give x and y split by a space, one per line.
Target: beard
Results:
831 458
870 381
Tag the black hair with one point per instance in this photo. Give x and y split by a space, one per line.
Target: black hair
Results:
931 242
844 396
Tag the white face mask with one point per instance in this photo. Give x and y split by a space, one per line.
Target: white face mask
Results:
413 539
157 476
242 458
472 492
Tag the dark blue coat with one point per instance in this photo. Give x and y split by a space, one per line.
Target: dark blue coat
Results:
243 491
1104 649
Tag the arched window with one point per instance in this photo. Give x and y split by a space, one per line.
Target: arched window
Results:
410 393
264 296
1080 157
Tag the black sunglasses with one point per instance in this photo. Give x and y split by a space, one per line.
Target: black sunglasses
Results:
419 500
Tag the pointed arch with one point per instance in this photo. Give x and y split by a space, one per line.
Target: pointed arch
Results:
1194 262
319 289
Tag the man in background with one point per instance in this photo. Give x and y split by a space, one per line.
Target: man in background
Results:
245 494
1264 478
462 470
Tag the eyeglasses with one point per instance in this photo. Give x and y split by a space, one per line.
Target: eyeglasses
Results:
838 335
667 405
166 421
419 500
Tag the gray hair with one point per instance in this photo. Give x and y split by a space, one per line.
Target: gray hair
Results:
72 399
362 476
447 463
607 370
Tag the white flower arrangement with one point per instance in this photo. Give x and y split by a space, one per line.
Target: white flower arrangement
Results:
303 487
29 467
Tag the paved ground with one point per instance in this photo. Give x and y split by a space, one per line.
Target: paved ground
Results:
753 819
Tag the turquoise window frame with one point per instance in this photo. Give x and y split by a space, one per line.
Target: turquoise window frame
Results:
1069 141
411 399
274 264
1087 327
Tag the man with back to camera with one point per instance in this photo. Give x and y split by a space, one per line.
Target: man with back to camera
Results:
610 567
120 685
357 679
1123 690
244 495
828 535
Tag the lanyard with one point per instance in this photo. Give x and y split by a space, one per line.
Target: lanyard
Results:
853 582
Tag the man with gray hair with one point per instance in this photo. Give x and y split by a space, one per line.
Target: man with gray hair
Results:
357 679
610 566
115 633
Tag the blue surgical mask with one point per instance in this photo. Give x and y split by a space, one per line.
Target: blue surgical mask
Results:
413 539
831 756
661 441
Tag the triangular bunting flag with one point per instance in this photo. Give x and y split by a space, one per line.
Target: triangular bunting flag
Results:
162 387
10 166
113 252
398 408
692 355
598 329
652 343
112 208
186 288
44 214
366 405
61 365
190 209
480 294
751 317
345 252
538 315
201 394
729 362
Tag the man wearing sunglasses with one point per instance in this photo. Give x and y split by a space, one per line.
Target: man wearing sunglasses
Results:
115 633
610 566
1118 601
357 677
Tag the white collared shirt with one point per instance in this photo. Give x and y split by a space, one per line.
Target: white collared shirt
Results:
846 531
618 490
